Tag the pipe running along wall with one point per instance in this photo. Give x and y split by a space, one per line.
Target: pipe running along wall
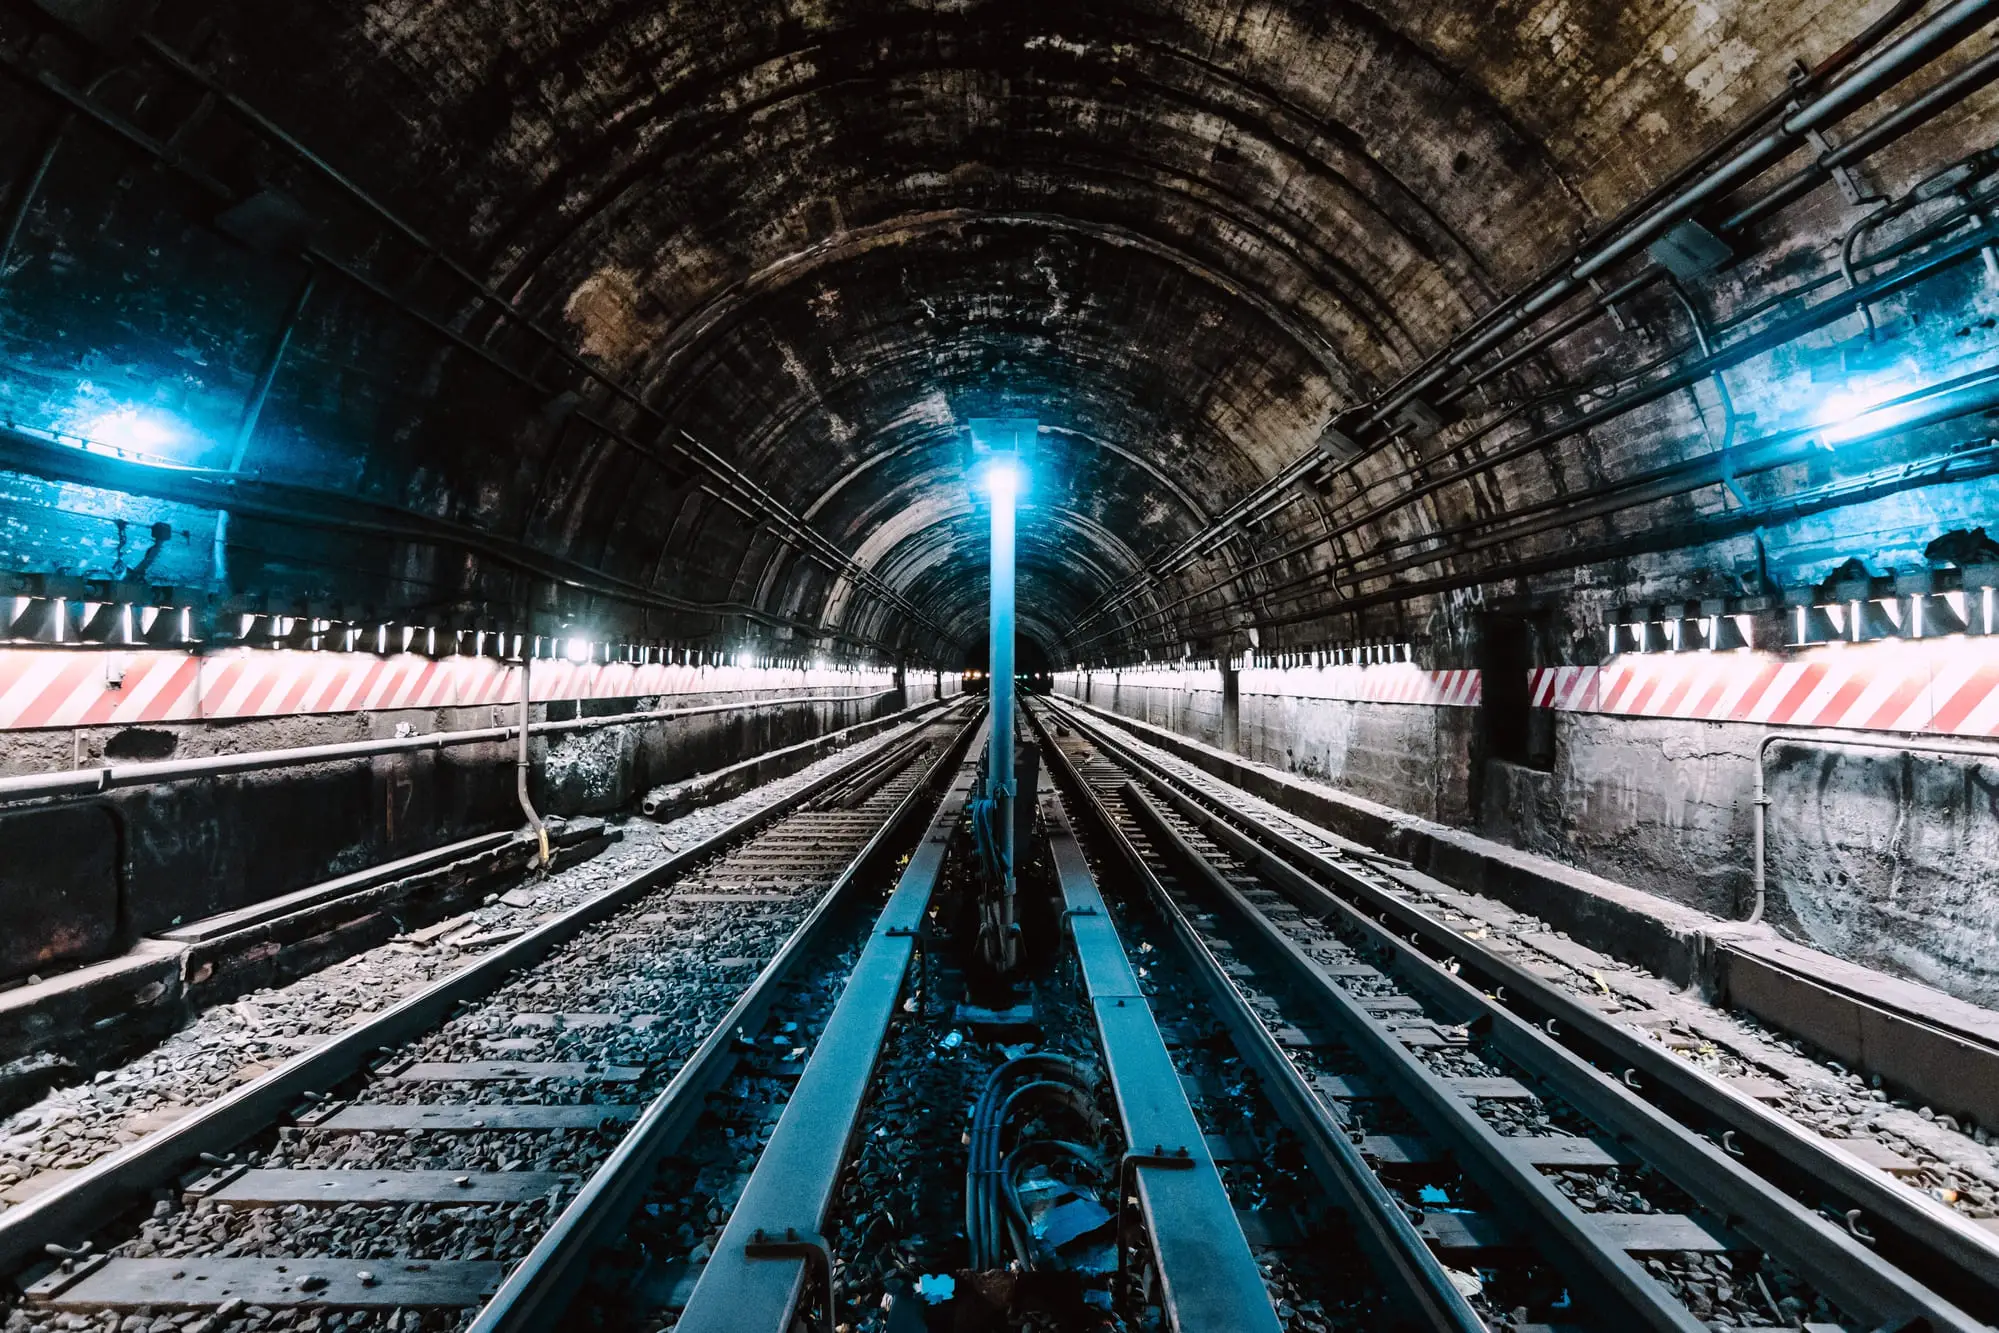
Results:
92 781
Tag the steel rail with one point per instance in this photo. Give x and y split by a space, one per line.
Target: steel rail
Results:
1611 1281
536 1293
1942 1265
756 1277
1208 1278
79 1206
1416 1279
109 777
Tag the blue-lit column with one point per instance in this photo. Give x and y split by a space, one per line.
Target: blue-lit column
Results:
1000 446
1003 484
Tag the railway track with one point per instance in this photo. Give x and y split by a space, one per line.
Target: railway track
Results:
667 1108
1513 1155
404 1170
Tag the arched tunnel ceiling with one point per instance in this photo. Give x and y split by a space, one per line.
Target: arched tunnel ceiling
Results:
818 237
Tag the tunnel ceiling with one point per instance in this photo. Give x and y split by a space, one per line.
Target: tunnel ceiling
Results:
809 241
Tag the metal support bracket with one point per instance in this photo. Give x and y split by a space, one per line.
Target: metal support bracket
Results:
807 1245
1180 1159
1849 181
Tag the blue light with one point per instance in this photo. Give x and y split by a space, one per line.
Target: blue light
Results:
134 430
1004 478
1858 411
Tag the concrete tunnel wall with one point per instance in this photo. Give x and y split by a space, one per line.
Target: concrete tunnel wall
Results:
80 882
1883 859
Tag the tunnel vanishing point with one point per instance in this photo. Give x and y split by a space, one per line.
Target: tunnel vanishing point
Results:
1211 615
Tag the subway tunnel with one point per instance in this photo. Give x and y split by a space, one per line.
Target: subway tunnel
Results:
1470 801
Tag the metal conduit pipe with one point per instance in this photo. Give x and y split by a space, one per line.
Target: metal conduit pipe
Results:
1939 33
1936 227
723 470
524 764
1966 395
1938 470
1972 245
817 544
93 781
1896 125
1760 801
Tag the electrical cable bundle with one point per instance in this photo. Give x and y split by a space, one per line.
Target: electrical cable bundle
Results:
995 1222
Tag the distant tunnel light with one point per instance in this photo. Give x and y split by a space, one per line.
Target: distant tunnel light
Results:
577 651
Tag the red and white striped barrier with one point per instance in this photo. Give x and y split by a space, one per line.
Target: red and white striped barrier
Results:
1942 686
1939 686
1384 683
52 687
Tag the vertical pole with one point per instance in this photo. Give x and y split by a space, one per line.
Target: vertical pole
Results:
1231 705
1003 483
525 764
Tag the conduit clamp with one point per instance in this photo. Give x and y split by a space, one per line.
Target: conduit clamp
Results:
807 1245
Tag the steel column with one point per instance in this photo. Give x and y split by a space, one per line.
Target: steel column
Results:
1003 483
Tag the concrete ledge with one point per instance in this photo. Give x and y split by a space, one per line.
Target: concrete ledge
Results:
678 798
1943 1051
231 955
1940 1048
227 923
47 1027
83 1018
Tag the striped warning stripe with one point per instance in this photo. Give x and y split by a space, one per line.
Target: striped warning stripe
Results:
1939 686
1385 683
53 687
1947 687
